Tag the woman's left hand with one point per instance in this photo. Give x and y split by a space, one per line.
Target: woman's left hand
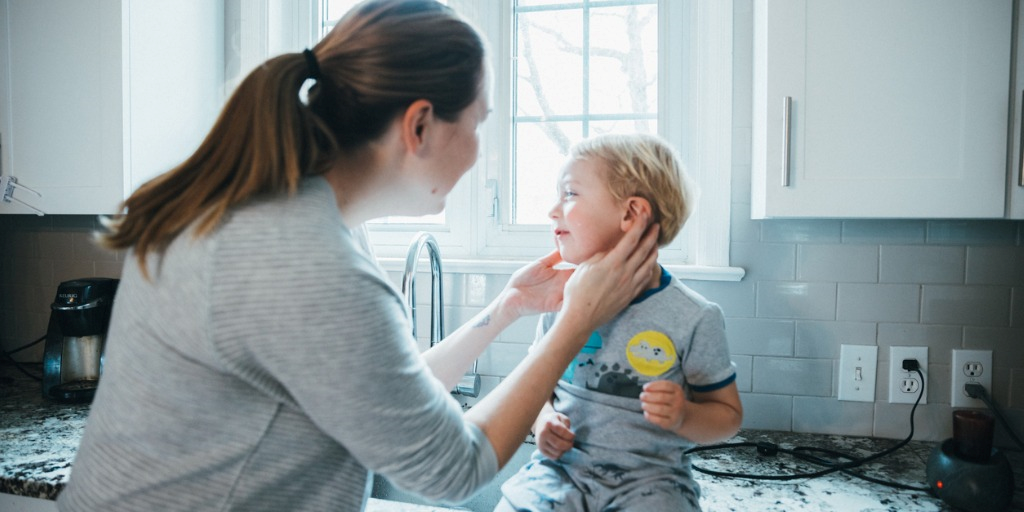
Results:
537 287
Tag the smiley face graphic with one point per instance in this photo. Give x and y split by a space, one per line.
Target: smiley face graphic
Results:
651 353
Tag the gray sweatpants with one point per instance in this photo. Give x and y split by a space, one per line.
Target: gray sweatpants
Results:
578 483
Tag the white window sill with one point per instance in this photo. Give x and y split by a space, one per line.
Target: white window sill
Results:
465 266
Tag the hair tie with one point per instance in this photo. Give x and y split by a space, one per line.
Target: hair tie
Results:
311 64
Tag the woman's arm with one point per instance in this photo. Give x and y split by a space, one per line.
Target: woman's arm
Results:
536 288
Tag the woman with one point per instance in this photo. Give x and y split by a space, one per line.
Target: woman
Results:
257 358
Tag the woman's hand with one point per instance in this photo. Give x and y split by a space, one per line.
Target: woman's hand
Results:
537 287
553 435
606 283
664 404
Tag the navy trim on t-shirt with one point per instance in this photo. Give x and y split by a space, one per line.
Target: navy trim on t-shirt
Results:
715 386
665 279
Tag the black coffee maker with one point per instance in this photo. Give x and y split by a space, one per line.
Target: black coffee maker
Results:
73 355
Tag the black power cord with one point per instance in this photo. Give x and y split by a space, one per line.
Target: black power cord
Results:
975 390
831 466
7 354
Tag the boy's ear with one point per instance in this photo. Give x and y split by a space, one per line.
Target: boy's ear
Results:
635 207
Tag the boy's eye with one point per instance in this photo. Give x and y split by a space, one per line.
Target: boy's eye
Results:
568 193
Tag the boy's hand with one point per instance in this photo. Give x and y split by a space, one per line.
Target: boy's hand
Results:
664 404
553 435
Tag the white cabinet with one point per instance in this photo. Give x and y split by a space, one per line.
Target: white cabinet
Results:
1015 167
98 96
880 108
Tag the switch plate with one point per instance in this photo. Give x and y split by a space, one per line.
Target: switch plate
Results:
904 385
858 366
970 366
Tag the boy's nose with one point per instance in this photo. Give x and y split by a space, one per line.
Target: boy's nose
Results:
554 211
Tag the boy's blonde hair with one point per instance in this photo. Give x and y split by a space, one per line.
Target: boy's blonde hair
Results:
644 166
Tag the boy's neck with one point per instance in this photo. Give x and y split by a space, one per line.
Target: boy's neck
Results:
655 280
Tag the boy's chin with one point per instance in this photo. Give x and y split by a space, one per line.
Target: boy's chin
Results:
570 258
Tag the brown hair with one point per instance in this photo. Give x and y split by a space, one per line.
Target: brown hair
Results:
382 56
644 166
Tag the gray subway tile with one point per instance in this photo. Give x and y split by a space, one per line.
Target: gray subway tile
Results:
922 264
791 376
966 305
760 336
884 231
830 416
839 263
940 339
767 412
822 339
813 230
878 302
1002 265
972 232
810 301
765 262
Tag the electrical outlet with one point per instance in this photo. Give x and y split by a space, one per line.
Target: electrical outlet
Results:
858 365
970 366
904 386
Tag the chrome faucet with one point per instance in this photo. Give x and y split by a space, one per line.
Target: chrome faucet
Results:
469 385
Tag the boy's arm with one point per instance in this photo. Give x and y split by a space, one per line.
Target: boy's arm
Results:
710 417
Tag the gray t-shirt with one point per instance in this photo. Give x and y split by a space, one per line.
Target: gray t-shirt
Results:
668 333
268 366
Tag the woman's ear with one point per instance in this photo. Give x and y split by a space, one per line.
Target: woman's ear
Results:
415 122
637 209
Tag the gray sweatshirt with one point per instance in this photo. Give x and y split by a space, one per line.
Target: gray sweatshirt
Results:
268 366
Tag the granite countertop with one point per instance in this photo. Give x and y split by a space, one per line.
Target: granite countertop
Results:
38 439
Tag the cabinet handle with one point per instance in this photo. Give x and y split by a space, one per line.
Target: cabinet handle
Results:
1020 146
787 107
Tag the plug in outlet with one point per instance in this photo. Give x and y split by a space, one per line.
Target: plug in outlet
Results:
970 366
858 365
905 385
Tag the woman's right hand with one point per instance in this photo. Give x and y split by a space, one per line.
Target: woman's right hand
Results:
606 283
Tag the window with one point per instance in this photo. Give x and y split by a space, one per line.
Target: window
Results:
565 70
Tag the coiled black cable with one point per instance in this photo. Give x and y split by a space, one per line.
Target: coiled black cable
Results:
802 453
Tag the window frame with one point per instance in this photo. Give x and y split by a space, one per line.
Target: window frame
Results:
484 242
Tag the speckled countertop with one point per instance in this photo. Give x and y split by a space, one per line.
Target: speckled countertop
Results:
38 439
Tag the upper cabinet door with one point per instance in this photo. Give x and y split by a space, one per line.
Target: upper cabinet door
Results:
61 107
99 96
880 108
1015 167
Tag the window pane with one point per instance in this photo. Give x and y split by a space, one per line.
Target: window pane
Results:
539 159
549 63
624 59
582 69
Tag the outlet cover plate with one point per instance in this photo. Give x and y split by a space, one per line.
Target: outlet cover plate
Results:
970 366
898 375
858 366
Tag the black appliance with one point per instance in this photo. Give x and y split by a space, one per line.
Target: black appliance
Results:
73 354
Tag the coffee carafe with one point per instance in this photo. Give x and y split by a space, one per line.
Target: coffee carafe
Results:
73 355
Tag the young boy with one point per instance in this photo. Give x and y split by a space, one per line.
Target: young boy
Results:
651 383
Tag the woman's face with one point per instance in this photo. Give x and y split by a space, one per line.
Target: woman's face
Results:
455 149
587 218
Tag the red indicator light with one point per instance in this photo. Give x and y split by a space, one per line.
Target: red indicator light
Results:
938 484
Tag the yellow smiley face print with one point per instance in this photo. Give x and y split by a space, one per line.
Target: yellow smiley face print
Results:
651 353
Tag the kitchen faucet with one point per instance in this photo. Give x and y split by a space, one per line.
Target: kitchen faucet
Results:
469 385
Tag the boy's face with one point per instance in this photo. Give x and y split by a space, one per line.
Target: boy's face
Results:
587 218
